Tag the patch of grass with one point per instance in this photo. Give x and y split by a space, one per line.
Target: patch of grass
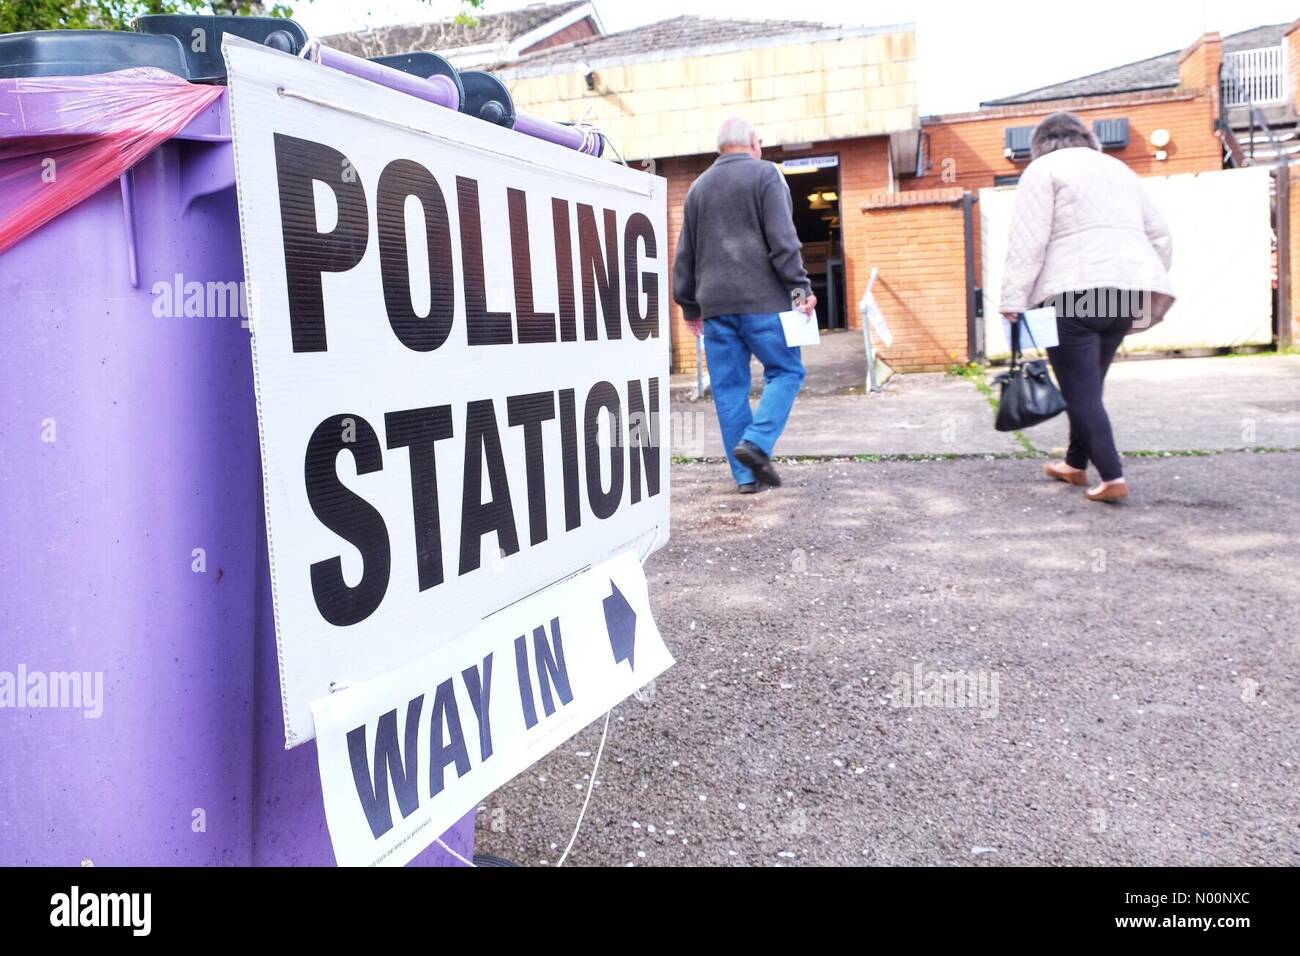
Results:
1208 452
971 370
1030 453
974 373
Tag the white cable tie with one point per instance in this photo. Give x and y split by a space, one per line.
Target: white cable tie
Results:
454 853
590 786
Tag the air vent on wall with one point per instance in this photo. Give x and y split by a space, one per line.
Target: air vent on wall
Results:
1017 142
1112 133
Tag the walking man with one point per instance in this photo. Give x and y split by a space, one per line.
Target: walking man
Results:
739 265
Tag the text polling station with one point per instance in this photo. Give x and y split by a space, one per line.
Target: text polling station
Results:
460 351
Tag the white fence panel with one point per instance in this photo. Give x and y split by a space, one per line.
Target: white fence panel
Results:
1222 272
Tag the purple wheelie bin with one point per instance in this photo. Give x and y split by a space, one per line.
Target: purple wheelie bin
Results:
140 714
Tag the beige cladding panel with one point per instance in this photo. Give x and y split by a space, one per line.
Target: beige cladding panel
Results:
799 92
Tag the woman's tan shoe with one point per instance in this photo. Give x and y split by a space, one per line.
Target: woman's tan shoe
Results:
1111 491
1063 472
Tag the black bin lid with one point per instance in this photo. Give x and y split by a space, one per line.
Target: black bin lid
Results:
81 52
200 38
189 46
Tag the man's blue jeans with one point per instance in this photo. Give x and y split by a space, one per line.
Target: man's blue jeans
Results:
729 341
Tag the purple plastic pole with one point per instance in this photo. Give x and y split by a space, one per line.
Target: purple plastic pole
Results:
434 89
592 144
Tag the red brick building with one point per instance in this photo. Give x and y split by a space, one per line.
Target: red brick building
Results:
875 185
1180 112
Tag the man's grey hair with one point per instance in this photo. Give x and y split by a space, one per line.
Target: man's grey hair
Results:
1061 131
736 131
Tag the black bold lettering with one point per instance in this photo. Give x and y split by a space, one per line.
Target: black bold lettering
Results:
604 503
481 326
564 270
446 737
308 252
550 666
533 326
388 757
645 324
422 333
599 271
569 459
477 517
529 411
643 434
418 429
348 515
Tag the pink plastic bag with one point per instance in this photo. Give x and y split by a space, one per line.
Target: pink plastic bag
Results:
64 138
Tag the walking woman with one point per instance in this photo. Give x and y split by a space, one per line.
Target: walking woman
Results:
1085 239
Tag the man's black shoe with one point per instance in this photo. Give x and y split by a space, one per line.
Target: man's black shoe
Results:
749 488
756 460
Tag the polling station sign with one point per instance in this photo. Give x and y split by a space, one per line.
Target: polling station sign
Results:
460 355
404 756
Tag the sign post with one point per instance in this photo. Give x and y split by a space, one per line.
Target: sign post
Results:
873 318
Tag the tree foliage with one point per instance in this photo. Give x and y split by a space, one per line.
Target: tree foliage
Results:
18 15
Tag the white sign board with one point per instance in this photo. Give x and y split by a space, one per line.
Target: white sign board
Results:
460 353
870 310
404 756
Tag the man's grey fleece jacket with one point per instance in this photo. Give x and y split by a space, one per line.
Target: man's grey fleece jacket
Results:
738 251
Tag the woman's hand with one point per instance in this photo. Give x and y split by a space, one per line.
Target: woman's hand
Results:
1011 316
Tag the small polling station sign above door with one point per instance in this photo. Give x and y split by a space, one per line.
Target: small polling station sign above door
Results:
459 354
809 163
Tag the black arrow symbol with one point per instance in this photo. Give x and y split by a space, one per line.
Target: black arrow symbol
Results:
620 621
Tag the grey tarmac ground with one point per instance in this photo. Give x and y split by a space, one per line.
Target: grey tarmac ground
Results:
1134 670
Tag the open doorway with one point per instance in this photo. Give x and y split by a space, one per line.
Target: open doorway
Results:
838 364
815 187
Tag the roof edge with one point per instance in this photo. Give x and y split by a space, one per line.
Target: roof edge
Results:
520 69
1164 94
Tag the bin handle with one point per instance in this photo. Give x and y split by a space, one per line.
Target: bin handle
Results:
127 181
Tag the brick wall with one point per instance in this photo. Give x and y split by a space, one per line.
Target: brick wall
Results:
1198 67
917 240
1291 40
680 173
966 150
864 171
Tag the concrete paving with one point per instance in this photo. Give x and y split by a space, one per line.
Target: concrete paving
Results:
1248 401
1181 404
1129 673
956 661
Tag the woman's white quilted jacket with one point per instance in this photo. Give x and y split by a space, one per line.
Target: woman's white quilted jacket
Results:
1083 220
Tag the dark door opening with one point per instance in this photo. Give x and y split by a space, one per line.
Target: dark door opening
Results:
814 183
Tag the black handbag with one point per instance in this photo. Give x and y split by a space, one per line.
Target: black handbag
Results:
1029 395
